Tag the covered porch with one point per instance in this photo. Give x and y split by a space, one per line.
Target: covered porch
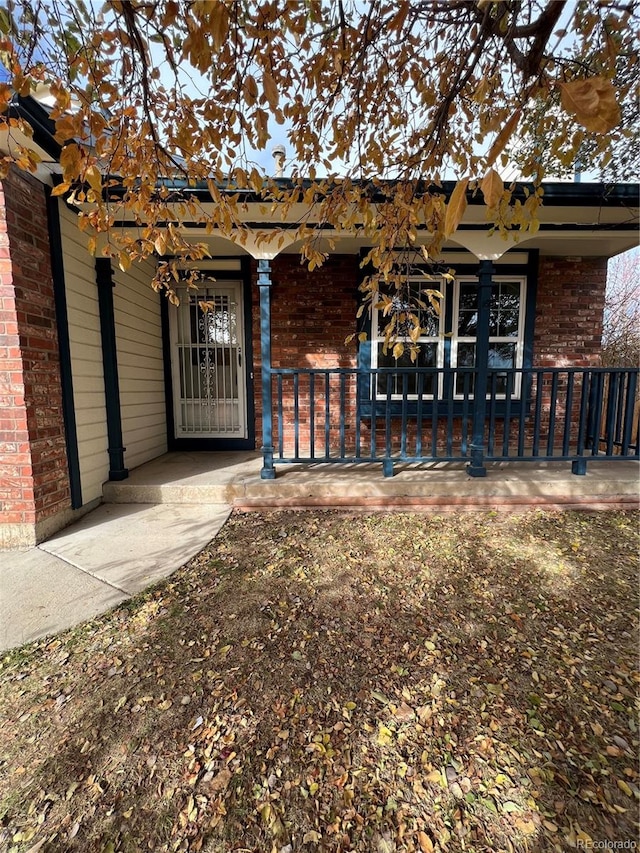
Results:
526 412
233 478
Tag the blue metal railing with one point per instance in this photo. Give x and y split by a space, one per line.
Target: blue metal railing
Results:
386 415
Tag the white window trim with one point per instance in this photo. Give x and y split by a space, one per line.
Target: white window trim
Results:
455 340
493 339
435 284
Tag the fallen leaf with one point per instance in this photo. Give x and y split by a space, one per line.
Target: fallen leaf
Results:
426 844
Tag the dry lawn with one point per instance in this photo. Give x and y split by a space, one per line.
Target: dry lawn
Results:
325 681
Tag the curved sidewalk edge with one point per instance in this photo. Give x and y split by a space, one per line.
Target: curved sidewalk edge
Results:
108 556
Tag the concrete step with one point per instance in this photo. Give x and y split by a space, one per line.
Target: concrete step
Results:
234 479
166 493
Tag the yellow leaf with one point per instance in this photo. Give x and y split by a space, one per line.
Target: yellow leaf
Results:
124 261
492 188
502 138
434 777
398 350
625 788
456 207
70 159
385 736
161 244
93 177
592 102
61 189
582 836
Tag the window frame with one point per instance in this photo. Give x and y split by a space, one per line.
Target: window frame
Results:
449 403
519 339
438 340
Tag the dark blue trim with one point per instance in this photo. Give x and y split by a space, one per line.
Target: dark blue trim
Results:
64 348
44 128
168 378
268 471
556 194
476 467
116 449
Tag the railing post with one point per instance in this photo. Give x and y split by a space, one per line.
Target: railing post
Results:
268 472
476 467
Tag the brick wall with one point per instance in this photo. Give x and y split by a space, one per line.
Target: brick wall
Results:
35 482
568 333
569 311
312 313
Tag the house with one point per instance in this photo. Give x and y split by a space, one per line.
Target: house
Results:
99 373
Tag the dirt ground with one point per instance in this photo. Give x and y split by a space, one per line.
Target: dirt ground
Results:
326 681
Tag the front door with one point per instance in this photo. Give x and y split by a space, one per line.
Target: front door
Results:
209 382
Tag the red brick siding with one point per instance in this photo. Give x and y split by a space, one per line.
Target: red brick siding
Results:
569 310
568 332
311 315
32 441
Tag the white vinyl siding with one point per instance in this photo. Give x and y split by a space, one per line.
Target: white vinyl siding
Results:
86 356
140 364
139 354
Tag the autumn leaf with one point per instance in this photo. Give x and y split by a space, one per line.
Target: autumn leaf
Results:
426 844
219 24
61 189
270 89
124 261
70 160
398 350
503 138
593 103
93 177
456 207
492 188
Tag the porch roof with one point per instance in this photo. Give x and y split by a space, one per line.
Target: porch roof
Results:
576 219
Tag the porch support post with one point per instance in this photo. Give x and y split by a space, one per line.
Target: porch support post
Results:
268 471
104 280
476 467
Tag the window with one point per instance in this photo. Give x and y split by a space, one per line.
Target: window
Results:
506 329
450 340
430 346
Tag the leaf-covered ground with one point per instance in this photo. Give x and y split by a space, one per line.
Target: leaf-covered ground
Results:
325 681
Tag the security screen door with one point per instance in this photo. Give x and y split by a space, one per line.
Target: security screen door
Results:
209 387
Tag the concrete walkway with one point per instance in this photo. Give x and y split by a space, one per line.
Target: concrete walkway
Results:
100 561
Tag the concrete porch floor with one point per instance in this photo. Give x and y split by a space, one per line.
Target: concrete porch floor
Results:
233 478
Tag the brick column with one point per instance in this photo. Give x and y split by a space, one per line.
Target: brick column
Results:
35 482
